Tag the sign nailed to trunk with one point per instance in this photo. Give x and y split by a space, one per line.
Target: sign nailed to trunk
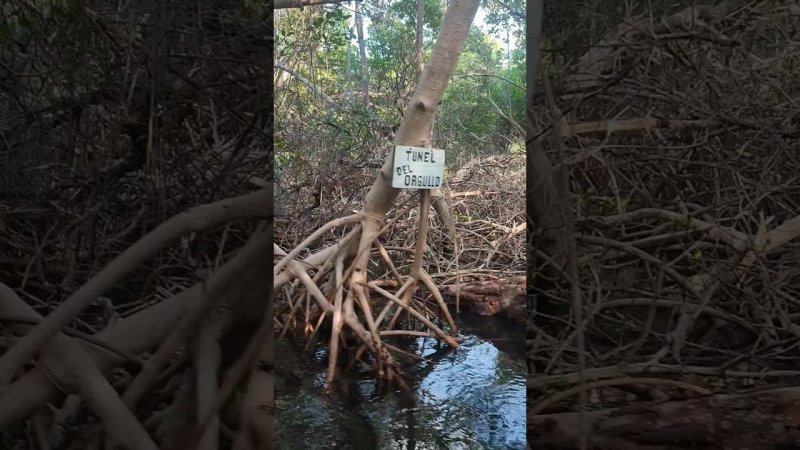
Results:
417 168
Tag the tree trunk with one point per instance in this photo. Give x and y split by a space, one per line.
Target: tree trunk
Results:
415 130
546 232
420 23
417 120
347 72
444 211
362 52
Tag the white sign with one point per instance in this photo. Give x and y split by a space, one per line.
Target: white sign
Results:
417 168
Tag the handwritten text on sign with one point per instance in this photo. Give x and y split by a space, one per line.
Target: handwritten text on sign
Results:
417 168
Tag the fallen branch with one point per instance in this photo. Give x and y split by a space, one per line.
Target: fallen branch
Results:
546 403
606 127
736 239
541 382
761 419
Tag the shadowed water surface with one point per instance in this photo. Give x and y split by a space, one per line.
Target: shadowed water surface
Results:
469 398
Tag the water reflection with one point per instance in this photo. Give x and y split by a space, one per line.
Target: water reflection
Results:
469 398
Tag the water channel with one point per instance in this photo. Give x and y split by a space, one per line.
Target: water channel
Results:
468 398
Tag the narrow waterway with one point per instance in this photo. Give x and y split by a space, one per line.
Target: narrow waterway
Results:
472 397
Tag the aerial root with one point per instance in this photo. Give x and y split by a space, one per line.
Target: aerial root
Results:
340 288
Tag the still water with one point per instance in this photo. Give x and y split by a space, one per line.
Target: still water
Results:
469 398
